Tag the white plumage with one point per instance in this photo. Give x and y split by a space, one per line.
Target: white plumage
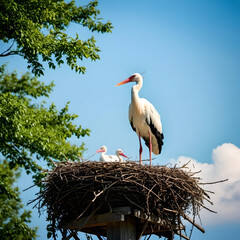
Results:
111 158
120 153
144 118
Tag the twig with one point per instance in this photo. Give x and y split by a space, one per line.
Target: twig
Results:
193 223
181 235
143 228
225 180
29 187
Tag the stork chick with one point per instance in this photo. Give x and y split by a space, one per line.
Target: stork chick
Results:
111 158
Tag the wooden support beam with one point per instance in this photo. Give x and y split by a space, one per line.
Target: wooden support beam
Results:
96 220
125 230
123 223
155 220
144 216
123 210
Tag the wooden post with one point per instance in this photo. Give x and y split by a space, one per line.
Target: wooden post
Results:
123 223
125 230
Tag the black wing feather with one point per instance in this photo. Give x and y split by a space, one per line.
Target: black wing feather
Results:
159 136
131 122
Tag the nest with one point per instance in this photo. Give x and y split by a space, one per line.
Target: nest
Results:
74 190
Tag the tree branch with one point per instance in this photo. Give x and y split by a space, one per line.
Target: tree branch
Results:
7 52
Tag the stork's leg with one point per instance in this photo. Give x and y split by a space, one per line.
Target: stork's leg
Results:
140 150
150 147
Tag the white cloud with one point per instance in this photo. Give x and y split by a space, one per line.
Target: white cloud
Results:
226 165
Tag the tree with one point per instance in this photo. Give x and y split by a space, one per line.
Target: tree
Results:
36 31
13 224
29 131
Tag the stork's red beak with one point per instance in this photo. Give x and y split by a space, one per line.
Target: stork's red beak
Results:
99 150
124 81
123 155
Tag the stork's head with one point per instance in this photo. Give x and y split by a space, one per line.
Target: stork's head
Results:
102 149
136 77
120 152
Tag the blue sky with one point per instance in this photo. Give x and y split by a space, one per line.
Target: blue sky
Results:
189 54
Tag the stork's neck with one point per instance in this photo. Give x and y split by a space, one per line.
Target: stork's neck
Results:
120 159
135 90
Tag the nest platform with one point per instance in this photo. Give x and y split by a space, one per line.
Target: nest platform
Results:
93 196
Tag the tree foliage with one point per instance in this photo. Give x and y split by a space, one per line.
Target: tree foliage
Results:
36 31
33 133
13 221
30 132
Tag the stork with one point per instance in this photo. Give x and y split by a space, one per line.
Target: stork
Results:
120 153
144 119
111 158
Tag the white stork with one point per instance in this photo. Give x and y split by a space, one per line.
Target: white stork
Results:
144 118
111 158
120 153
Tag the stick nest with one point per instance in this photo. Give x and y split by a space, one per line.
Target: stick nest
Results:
73 190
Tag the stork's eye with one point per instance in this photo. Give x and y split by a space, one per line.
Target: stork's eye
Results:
133 76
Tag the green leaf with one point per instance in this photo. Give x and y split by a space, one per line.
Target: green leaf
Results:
13 220
39 30
32 133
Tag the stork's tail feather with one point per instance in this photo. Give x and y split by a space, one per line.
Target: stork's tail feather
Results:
160 142
159 138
